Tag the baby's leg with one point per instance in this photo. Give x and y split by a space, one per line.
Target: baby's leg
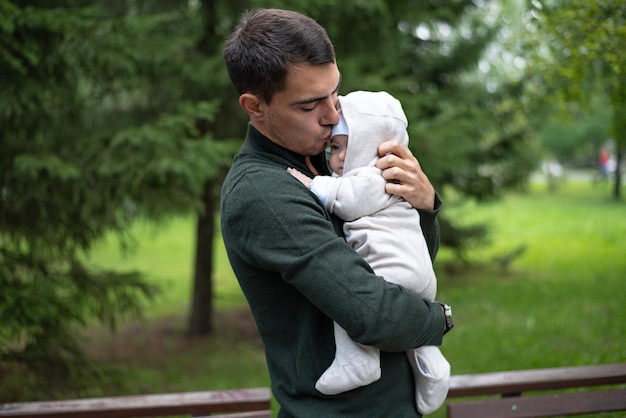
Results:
355 365
431 371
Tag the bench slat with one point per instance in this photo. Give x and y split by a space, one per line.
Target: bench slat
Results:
207 402
256 414
575 403
539 379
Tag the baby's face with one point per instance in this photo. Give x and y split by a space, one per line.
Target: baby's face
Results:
338 146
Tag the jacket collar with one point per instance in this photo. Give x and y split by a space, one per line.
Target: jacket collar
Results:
257 142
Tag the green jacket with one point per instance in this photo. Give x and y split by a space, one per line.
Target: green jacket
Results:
299 275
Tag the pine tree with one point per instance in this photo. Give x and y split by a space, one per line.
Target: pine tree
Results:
99 129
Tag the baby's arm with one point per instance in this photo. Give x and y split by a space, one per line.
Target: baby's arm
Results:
358 193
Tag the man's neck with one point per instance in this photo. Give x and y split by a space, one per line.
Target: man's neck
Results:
310 165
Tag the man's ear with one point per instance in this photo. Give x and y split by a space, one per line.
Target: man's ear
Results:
251 104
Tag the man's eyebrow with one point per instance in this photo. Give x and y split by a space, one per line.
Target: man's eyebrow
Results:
317 99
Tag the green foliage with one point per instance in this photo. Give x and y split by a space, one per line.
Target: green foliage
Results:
43 306
95 135
576 139
577 53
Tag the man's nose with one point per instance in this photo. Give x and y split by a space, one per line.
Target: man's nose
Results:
331 116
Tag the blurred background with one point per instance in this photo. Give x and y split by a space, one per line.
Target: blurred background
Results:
118 123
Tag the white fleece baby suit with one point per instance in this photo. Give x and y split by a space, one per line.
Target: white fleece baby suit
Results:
385 230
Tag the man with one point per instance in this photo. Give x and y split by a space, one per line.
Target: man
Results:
287 251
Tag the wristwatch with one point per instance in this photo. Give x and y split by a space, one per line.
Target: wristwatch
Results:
447 311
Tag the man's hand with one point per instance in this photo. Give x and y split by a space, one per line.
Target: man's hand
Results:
405 176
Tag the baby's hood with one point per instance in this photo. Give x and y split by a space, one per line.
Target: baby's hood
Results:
372 118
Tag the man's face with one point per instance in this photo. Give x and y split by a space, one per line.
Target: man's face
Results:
300 117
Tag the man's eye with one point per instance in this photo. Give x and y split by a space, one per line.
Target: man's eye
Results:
308 109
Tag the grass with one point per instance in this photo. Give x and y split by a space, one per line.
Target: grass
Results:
165 254
560 303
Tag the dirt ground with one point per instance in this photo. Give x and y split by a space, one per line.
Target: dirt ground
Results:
148 341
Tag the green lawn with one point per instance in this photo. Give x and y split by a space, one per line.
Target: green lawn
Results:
561 302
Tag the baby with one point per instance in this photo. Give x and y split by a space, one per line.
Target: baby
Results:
385 230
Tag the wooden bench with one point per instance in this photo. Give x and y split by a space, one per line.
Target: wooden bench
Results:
604 392
245 403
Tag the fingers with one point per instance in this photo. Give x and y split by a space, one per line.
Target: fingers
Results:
393 154
400 170
411 183
419 198
405 176
395 148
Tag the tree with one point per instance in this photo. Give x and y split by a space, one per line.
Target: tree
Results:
96 135
217 19
576 140
576 48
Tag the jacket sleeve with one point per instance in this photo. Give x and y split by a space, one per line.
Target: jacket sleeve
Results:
430 227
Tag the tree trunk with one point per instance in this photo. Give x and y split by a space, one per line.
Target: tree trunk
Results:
618 99
618 171
201 318
226 125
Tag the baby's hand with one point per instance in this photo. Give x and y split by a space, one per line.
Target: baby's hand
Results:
306 180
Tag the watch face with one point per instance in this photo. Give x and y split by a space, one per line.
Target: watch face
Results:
447 311
449 321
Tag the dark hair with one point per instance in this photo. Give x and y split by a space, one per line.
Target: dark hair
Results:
267 43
